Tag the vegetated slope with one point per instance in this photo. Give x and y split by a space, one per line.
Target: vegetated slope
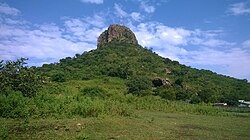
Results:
128 61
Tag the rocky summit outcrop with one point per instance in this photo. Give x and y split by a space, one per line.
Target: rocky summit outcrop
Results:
117 33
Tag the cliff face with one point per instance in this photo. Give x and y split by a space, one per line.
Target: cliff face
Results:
117 33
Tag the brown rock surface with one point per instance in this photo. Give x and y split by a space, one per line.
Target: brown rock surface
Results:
117 33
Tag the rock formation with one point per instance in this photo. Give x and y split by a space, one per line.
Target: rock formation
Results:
157 82
116 33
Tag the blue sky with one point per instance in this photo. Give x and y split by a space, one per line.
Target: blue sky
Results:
204 34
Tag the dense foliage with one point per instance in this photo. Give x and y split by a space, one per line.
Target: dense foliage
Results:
14 76
128 61
82 86
139 85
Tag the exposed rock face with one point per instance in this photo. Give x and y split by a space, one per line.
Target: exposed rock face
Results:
157 82
117 33
168 71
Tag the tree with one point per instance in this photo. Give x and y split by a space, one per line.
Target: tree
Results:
58 77
179 82
15 76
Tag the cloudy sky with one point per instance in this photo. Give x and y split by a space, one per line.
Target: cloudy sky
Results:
204 34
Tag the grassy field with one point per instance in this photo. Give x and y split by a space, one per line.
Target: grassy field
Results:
101 109
145 125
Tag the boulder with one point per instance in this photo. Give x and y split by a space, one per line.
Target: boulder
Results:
157 82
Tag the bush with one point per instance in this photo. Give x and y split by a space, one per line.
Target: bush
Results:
113 107
28 83
93 92
139 86
58 77
87 77
86 108
195 99
166 93
14 105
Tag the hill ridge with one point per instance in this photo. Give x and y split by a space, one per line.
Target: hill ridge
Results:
118 54
130 61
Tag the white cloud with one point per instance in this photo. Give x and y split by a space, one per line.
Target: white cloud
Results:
136 16
234 62
154 33
85 29
211 42
239 9
146 7
43 42
246 44
48 43
210 38
95 20
93 1
163 39
126 17
119 11
11 21
6 9
174 43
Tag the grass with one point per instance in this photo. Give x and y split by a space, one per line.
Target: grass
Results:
147 125
69 111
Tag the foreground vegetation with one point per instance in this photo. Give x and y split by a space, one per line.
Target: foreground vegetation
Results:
79 110
80 98
108 93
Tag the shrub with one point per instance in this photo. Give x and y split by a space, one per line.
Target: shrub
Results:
113 107
28 83
139 86
93 92
4 133
195 99
179 82
58 77
87 77
86 107
166 93
14 105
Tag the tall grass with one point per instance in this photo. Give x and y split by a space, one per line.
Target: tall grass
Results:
79 98
155 103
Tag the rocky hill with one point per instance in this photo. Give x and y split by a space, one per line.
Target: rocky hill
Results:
117 33
122 57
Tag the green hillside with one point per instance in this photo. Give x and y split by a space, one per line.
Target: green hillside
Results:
139 66
120 91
